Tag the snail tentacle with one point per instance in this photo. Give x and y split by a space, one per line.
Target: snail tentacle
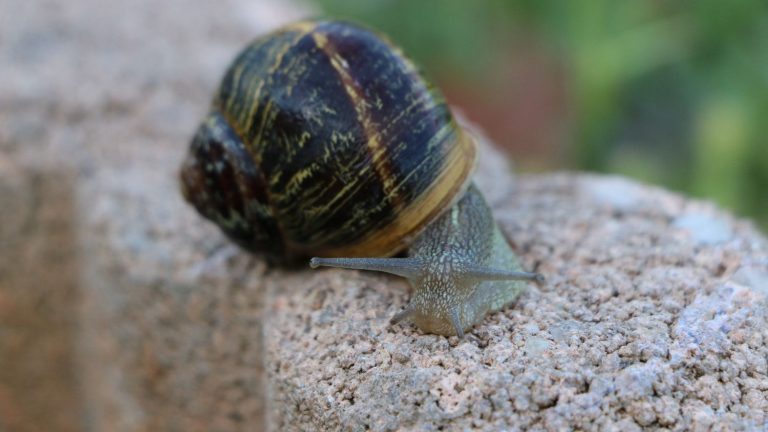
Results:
409 268
403 314
453 314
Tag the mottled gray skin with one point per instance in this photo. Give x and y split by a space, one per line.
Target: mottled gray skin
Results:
461 268
464 236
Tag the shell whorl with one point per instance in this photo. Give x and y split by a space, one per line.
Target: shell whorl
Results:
332 144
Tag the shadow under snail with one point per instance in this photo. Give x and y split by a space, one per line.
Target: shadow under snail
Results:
323 139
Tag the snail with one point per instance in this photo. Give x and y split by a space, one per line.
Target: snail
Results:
323 139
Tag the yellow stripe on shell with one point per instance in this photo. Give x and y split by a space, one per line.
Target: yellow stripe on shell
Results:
302 29
447 188
372 137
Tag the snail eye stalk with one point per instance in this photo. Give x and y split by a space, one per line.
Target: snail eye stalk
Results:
410 268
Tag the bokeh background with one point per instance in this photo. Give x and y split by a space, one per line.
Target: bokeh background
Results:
673 93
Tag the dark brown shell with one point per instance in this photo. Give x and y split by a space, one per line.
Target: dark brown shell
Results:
323 139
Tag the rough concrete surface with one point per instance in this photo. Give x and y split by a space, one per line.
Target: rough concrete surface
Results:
97 103
653 315
38 301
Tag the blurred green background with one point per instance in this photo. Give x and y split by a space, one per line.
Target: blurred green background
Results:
669 92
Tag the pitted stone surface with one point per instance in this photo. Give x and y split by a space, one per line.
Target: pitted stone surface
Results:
641 324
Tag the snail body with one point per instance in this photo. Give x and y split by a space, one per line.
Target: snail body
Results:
461 268
322 139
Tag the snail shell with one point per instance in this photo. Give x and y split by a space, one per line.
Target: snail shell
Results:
324 139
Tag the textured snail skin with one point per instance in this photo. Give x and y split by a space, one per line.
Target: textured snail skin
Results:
323 139
457 249
461 268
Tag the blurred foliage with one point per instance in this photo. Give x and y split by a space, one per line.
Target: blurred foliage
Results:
670 92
